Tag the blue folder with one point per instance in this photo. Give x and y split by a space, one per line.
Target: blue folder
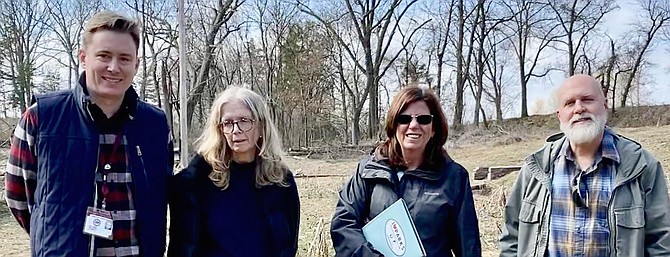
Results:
393 233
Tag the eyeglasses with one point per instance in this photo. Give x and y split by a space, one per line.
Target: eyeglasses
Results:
243 124
576 192
423 119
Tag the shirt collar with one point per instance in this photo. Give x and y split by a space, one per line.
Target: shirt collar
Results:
128 105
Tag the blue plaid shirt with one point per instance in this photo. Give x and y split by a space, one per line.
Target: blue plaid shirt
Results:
582 231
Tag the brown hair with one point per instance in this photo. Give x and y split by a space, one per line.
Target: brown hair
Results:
390 147
108 20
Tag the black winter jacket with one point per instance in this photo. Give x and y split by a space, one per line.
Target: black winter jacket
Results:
280 204
439 200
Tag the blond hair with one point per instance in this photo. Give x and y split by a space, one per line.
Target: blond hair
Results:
112 21
270 169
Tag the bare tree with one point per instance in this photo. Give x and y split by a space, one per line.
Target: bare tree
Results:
606 70
440 27
531 23
224 11
23 25
656 14
578 19
375 23
350 80
489 22
463 61
68 18
158 40
498 58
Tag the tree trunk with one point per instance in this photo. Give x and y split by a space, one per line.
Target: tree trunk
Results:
225 10
356 130
345 113
373 110
167 92
438 86
460 80
523 77
480 63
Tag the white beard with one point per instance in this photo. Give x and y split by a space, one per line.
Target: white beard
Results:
584 132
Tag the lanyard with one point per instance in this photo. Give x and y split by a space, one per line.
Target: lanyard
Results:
107 166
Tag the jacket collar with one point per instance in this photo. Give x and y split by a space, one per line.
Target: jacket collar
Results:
631 163
130 98
377 167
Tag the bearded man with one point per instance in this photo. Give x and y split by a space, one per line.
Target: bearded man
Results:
589 191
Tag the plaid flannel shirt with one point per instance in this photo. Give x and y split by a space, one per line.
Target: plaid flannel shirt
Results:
582 231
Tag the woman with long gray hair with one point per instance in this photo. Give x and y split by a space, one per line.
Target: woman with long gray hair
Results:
236 197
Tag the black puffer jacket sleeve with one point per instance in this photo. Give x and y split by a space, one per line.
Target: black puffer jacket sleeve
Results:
185 210
349 218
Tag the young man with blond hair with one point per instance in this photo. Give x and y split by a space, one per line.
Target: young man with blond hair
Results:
589 191
89 167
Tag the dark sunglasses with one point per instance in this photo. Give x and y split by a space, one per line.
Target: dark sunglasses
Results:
423 119
576 193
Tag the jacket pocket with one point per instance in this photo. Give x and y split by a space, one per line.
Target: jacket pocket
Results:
629 231
529 227
631 218
529 213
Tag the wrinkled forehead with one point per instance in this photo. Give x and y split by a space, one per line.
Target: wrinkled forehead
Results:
579 88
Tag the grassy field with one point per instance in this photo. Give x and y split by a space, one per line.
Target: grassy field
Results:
318 195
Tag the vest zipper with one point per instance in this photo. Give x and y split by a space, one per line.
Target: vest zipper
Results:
144 168
95 197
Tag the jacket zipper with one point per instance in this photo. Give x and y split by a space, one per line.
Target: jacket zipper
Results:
139 154
144 168
541 232
95 196
610 215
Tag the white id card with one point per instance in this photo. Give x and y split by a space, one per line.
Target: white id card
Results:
98 223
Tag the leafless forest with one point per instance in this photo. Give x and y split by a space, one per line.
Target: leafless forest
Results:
329 68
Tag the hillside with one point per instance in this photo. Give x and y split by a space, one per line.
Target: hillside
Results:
538 126
640 116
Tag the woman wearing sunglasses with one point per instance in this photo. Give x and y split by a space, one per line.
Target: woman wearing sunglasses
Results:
236 197
412 164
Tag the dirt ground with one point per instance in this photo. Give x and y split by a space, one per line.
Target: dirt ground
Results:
318 194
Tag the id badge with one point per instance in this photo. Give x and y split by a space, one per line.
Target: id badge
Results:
98 223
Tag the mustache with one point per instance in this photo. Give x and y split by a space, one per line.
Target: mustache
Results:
577 117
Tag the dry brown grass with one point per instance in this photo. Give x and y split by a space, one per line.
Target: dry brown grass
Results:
319 195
